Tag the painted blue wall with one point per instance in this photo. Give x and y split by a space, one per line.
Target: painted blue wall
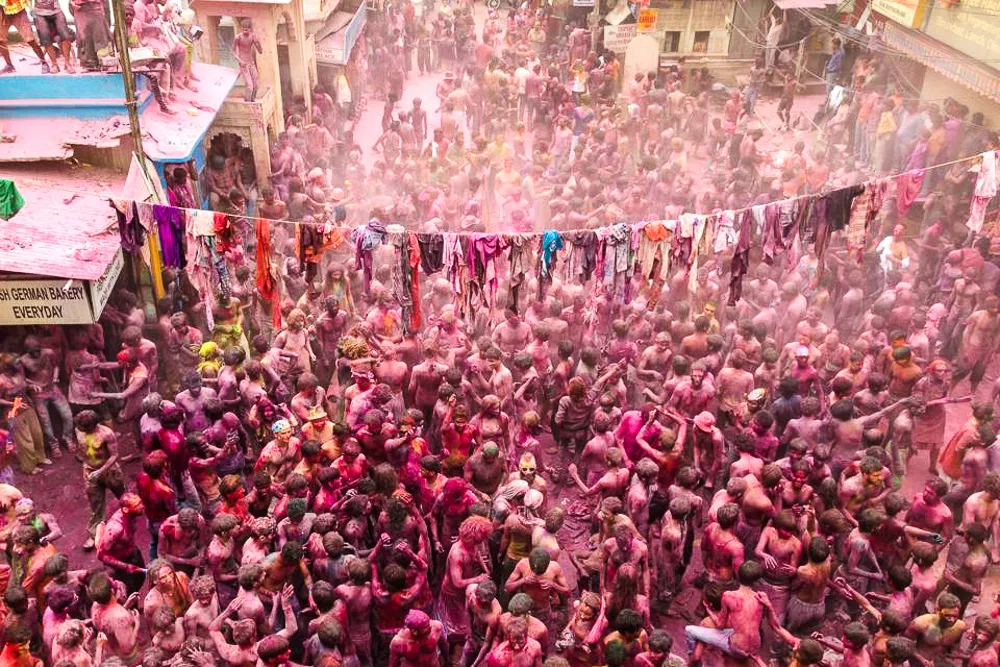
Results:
199 157
83 96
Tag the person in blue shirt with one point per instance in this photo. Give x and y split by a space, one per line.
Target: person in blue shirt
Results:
833 66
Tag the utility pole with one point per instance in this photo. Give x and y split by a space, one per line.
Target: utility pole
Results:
132 105
121 36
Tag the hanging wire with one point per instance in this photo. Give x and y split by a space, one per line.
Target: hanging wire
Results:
343 229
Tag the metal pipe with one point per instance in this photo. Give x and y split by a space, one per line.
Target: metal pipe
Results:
131 104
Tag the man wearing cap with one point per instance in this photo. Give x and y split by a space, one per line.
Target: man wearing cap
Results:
485 470
45 523
116 546
318 427
708 448
279 456
421 643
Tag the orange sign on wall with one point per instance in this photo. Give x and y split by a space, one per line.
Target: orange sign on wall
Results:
647 20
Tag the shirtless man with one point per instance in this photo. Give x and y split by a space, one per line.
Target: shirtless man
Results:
654 362
737 631
246 46
983 507
539 577
117 548
979 342
693 395
734 383
357 597
518 650
722 551
101 471
779 551
425 379
939 632
807 604
41 370
421 643
118 622
181 542
929 512
968 560
484 615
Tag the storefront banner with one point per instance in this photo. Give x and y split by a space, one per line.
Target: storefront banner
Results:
617 37
905 12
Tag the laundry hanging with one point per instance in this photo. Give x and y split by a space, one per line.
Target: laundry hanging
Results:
984 191
170 232
133 236
366 239
741 258
11 200
266 279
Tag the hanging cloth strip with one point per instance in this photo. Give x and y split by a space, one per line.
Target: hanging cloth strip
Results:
552 243
771 238
725 231
984 191
741 257
582 259
654 250
907 190
266 279
133 236
864 210
416 318
170 230
366 239
517 266
482 252
698 231
11 200
431 252
402 276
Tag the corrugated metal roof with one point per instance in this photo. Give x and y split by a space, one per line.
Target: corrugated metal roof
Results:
803 4
944 60
58 234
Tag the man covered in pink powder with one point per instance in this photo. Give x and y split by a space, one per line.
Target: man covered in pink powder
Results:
246 46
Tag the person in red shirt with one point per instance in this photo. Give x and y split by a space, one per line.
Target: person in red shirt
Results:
156 494
174 445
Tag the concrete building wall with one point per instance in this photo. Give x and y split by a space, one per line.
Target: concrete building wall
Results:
693 26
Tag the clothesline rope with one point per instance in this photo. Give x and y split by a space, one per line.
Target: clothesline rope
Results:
539 234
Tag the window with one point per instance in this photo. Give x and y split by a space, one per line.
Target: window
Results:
671 41
701 41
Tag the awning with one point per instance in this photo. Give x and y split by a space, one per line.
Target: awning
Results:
336 47
59 234
174 138
944 60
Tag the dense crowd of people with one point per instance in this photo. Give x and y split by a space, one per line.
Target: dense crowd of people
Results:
545 475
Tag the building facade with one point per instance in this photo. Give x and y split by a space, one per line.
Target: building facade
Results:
955 43
693 27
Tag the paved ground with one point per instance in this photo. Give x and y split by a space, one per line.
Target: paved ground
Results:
60 489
